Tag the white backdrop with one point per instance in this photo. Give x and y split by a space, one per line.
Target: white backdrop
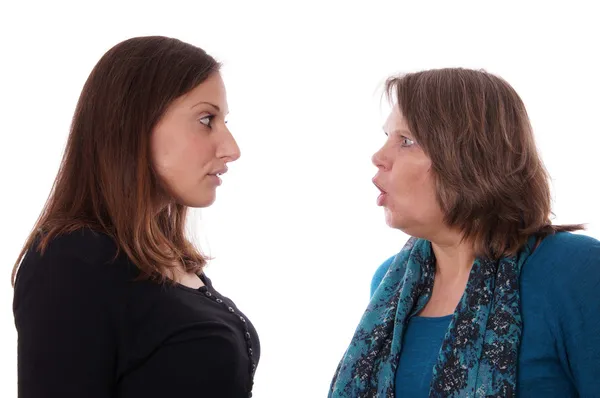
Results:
295 229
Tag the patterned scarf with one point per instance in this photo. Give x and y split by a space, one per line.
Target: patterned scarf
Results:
478 357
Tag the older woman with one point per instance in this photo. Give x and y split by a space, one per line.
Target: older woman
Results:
487 298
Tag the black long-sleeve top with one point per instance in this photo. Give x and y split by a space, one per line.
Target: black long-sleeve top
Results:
88 329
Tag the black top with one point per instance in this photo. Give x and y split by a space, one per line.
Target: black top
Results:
86 328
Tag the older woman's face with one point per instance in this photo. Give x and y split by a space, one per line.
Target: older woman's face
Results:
406 182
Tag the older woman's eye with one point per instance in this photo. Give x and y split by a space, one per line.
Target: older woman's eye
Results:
206 120
406 141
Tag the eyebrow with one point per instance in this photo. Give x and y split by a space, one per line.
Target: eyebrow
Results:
399 131
207 103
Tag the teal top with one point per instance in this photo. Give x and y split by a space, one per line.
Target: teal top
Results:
560 307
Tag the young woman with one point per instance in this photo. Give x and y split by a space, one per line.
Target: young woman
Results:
110 296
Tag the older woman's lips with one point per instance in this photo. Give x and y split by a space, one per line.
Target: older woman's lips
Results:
382 196
381 199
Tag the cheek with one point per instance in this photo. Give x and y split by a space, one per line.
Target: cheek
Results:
162 154
414 187
411 177
177 154
427 199
197 151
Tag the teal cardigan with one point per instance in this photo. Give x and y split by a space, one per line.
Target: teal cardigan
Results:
560 306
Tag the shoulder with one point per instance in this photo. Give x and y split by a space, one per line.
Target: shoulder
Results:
385 266
577 245
570 256
82 259
380 273
84 244
564 272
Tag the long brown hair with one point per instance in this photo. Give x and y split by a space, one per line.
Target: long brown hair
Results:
106 181
490 180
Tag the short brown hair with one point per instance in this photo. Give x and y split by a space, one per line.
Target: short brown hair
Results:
490 180
106 181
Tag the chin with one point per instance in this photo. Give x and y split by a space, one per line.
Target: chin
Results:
200 202
391 219
395 221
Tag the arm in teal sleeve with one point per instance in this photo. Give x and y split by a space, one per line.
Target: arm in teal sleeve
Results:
580 324
575 297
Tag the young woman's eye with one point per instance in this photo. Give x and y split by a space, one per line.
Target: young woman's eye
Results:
207 120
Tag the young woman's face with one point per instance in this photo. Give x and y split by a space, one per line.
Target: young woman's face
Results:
191 144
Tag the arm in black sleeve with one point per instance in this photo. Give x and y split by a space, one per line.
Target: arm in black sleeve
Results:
196 362
66 334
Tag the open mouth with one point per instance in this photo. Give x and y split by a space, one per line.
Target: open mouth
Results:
378 186
382 195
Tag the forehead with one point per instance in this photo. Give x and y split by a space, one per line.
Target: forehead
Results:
211 90
395 120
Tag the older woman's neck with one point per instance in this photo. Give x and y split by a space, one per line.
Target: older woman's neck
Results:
454 257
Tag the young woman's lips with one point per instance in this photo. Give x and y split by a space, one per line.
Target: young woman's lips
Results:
215 175
215 179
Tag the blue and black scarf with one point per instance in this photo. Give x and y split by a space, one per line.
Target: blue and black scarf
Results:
478 357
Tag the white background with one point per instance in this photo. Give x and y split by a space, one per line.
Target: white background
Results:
295 230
